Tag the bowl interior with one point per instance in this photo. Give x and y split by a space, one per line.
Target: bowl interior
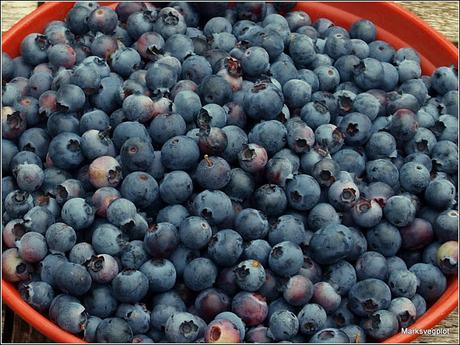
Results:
395 25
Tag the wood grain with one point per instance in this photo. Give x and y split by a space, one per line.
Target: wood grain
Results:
441 15
13 11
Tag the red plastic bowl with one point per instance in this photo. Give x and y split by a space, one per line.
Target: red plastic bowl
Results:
395 25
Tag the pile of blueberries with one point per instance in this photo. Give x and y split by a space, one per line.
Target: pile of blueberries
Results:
209 173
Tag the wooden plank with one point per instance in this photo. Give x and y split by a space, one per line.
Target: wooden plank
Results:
15 330
451 324
13 11
441 15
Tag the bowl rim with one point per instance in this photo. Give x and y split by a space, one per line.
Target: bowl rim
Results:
437 312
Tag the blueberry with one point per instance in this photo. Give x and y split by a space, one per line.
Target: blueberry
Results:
381 145
356 128
29 177
81 253
447 257
100 301
450 100
363 29
360 49
417 234
60 237
384 238
368 296
161 240
188 104
183 327
429 253
73 279
214 206
271 135
13 123
9 150
137 154
65 150
38 294
257 334
420 305
285 259
444 156
399 210
89 334
404 310
215 89
173 214
250 307
395 263
7 67
298 290
180 152
368 73
34 48
222 331
444 128
255 101
200 274
213 173
212 140
76 20
124 282
371 265
72 317
302 192
108 239
196 68
287 228
381 325
335 236
270 199
160 315
195 232
61 122
140 188
252 157
440 193
341 276
321 215
283 325
329 335
136 315
326 296
225 247
250 275
355 333
18 203
233 318
12 232
444 79
236 139
211 302
342 316
445 225
166 126
14 268
114 329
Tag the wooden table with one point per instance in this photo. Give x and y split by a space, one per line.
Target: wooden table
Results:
441 15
